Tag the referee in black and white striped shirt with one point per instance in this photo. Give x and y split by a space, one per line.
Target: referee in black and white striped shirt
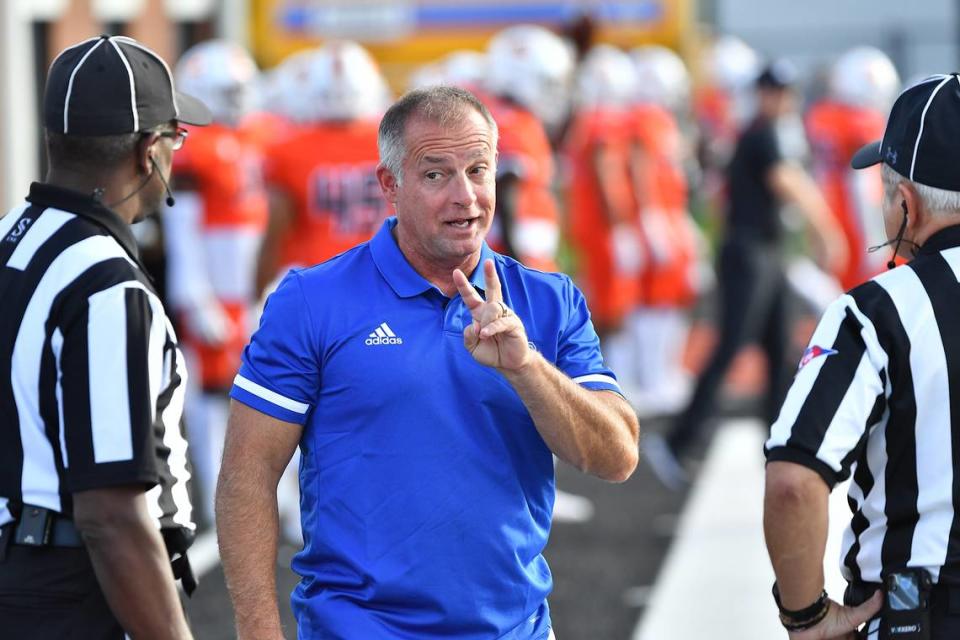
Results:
93 470
878 396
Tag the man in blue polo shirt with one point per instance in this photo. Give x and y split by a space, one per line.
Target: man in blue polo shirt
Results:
427 381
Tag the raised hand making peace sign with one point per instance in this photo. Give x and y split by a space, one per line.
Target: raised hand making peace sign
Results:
496 337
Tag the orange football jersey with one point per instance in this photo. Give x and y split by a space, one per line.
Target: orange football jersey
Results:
329 172
225 171
836 131
525 151
610 292
668 274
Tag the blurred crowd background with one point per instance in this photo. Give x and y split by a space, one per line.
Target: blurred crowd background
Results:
617 120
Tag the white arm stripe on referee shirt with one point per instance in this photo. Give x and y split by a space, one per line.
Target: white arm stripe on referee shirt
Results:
270 396
597 377
110 422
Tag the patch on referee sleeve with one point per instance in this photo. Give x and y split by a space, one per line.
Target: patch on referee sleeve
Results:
814 352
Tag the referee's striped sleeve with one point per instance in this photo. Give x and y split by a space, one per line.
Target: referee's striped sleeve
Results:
836 395
112 363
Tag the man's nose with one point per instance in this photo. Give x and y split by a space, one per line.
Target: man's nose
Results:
464 191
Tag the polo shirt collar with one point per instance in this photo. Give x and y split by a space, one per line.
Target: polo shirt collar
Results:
48 195
400 275
943 239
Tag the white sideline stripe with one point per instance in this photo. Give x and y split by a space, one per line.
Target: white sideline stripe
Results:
596 377
204 553
718 558
270 396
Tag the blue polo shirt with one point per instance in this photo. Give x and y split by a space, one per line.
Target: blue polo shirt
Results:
426 490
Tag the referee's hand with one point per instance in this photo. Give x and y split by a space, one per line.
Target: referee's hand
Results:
841 623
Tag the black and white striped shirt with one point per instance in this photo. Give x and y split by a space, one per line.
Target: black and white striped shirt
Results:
92 381
878 396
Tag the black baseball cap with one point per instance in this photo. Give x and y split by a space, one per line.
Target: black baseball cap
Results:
779 74
111 85
920 141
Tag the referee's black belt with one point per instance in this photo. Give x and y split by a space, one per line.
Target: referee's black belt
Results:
45 528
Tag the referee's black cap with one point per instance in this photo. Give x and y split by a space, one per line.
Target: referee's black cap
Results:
920 141
779 74
111 85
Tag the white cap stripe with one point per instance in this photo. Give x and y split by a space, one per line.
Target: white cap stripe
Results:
133 87
173 91
923 116
66 99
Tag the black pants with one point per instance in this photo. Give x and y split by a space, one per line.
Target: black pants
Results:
52 593
753 294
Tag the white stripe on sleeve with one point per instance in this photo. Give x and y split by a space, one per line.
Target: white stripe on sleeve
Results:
270 396
49 222
597 377
109 399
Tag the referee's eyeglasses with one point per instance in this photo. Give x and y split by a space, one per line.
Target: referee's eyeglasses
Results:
179 136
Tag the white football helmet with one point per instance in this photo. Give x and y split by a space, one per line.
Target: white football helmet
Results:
607 78
338 81
865 77
221 74
731 64
532 66
662 77
464 68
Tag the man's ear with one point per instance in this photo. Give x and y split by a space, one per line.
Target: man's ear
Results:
388 183
145 150
915 212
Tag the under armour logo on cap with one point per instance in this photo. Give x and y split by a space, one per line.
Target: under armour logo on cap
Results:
111 85
922 130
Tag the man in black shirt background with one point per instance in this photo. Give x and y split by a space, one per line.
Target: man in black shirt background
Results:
764 174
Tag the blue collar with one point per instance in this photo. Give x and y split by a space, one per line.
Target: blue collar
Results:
402 277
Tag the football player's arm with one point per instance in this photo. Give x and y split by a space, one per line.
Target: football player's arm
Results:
608 172
281 219
256 452
188 280
792 184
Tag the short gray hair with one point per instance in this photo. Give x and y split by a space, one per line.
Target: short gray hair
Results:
441 104
936 201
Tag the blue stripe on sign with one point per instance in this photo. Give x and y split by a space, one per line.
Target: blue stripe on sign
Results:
447 14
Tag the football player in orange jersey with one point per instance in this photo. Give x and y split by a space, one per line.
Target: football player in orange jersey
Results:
324 196
862 85
212 236
601 221
659 326
526 87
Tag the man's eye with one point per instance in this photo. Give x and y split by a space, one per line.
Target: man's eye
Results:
433 175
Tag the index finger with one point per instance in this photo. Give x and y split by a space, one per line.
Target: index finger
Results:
492 281
467 292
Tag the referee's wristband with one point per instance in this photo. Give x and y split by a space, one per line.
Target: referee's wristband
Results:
805 618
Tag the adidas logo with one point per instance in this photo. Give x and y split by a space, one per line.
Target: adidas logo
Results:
383 335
